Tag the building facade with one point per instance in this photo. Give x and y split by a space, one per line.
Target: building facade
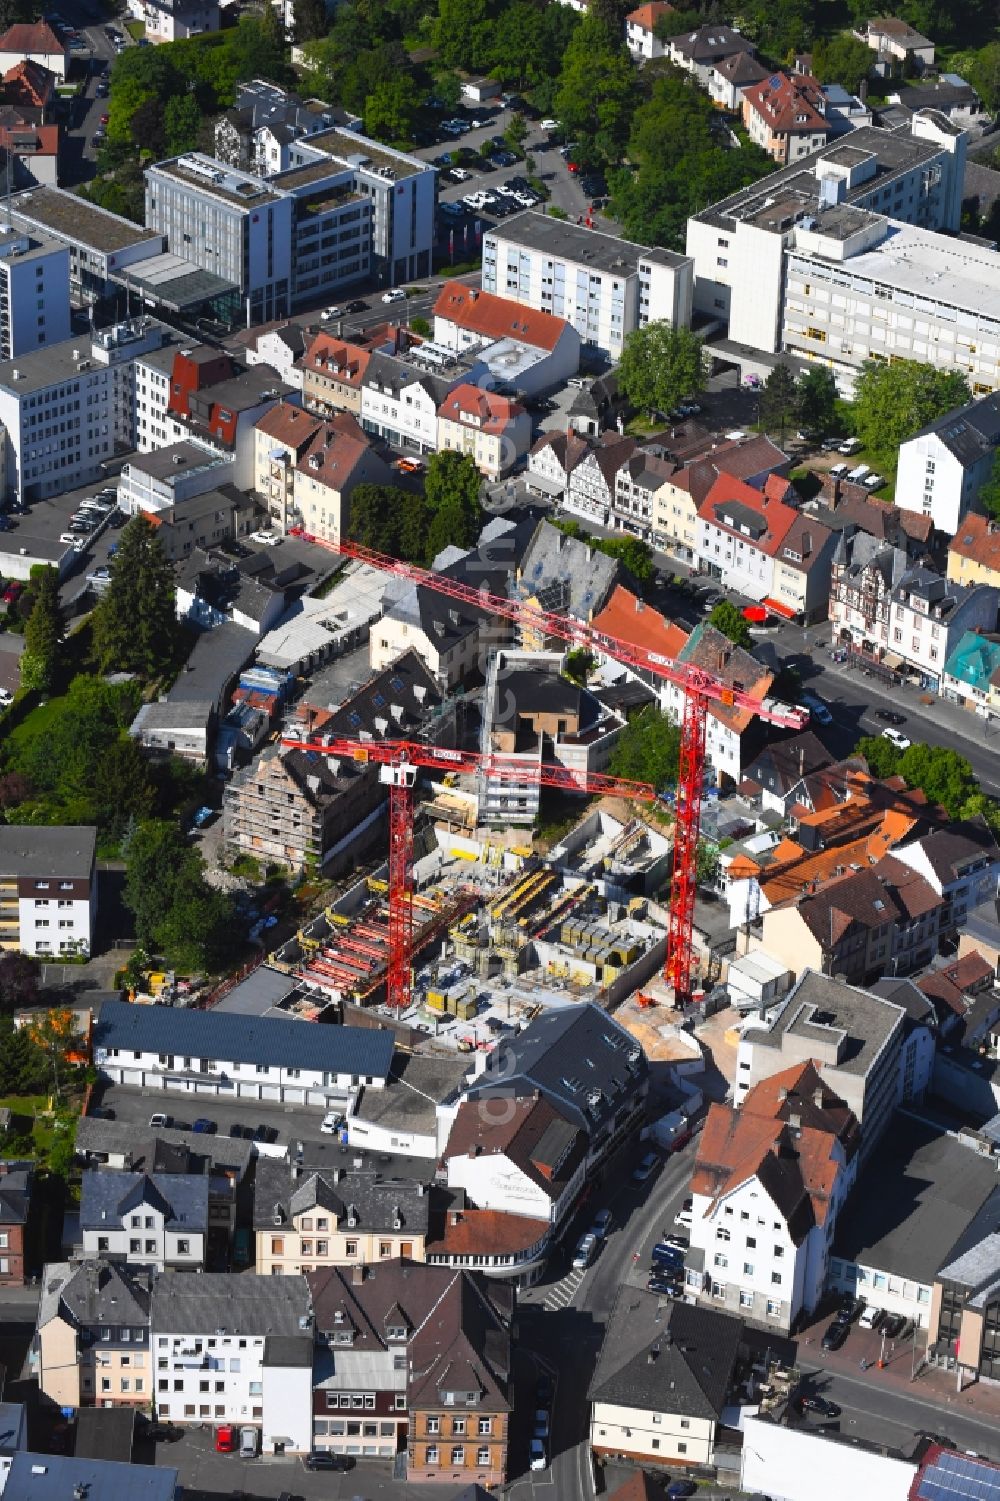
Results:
48 889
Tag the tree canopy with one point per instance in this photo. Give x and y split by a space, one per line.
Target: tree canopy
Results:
177 913
817 400
842 58
661 365
595 95
417 526
135 626
943 775
648 749
729 619
892 402
988 497
779 398
43 633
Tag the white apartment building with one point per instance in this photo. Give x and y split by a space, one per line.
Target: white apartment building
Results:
400 401
48 889
208 1053
166 478
34 292
235 1348
70 408
603 286
753 250
942 468
152 1220
175 20
640 30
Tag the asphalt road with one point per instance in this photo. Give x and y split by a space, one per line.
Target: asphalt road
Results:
78 154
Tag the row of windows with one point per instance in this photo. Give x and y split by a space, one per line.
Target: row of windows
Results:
432 1455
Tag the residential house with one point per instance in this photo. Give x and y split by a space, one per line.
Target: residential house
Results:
750 461
223 1161
493 430
283 347
863 1046
863 574
48 889
786 116
971 675
733 735
304 1218
91 1345
930 615
592 482
33 42
556 572
247 136
641 29
582 1062
333 372
16 1184
781 768
417 1357
951 96
177 20
213 400
233 1347
299 807
533 714
769 1180
399 401
896 41
961 863
730 77
943 466
637 483
527 348
700 51
763 547
336 461
663 1382
212 1052
974 552
152 1220
551 463
630 619
522 1158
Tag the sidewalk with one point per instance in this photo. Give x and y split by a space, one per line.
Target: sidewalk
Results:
932 1385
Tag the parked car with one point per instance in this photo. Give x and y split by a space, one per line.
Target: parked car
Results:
685 1214
395 294
226 1440
850 1308
249 1442
835 1336
585 1252
356 305
237 1131
820 1405
537 1457
541 1429
677 1490
13 592
648 1165
204 1127
894 1325
158 1121
818 708
330 1122
602 1223
202 817
895 738
667 1255
870 1318
850 446
667 1287
889 716
322 1459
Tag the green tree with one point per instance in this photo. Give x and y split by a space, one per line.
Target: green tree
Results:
881 755
817 400
728 619
462 33
22 1067
310 20
134 625
648 749
181 124
451 493
706 862
516 132
177 914
578 664
19 977
42 634
377 514
390 111
943 775
842 59
778 399
988 497
595 96
982 69
661 365
892 402
632 554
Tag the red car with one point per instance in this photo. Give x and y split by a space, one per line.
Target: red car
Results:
226 1439
573 166
105 119
13 592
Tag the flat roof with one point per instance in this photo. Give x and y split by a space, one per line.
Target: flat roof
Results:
176 458
914 1201
929 265
175 282
416 1086
356 151
78 222
572 242
205 174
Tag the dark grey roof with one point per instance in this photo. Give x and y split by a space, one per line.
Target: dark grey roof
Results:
576 1056
97 1292
377 1202
565 574
165 1151
107 1197
55 1477
679 1363
915 1201
265 1040
105 1433
417 1085
288 1350
593 248
968 432
782 764
738 517
259 991
12 1419
939 94
15 1192
62 850
709 43
490 566
216 657
829 1010
939 593
236 1302
950 853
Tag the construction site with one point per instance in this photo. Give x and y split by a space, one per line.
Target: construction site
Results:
498 931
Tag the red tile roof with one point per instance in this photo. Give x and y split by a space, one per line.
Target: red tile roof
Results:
485 1232
788 105
37 37
647 15
498 317
777 518
30 140
627 618
328 355
30 83
289 425
484 410
977 538
333 456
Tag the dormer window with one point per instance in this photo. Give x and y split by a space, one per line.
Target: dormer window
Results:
396 1332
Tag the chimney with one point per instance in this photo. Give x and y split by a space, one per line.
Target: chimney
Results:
357 1274
795 1120
818 1098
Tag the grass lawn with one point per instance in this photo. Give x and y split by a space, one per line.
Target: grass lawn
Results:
36 722
30 1118
136 30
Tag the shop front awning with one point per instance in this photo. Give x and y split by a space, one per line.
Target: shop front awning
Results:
776 607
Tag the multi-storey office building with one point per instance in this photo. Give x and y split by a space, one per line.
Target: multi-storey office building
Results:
34 292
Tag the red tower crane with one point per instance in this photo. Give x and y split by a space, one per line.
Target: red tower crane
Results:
700 689
398 762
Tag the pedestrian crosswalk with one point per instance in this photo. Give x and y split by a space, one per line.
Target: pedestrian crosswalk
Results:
561 1294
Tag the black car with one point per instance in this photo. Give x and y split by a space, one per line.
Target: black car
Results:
356 306
889 716
662 1285
819 1405
322 1459
850 1307
835 1336
543 1391
237 1131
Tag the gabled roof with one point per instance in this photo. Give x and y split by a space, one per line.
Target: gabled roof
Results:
494 317
708 648
107 1198
710 42
647 15
564 573
27 38
978 539
799 1095
681 1363
475 407
783 763
333 357
30 81
203 1303
569 448
376 1202
531 1133
290 425
15 1192
334 453
740 69
628 618
740 510
789 104
97 1292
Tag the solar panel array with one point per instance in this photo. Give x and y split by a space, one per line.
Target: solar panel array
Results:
956 1477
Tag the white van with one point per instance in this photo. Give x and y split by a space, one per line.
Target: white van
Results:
857 475
838 471
248 1442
